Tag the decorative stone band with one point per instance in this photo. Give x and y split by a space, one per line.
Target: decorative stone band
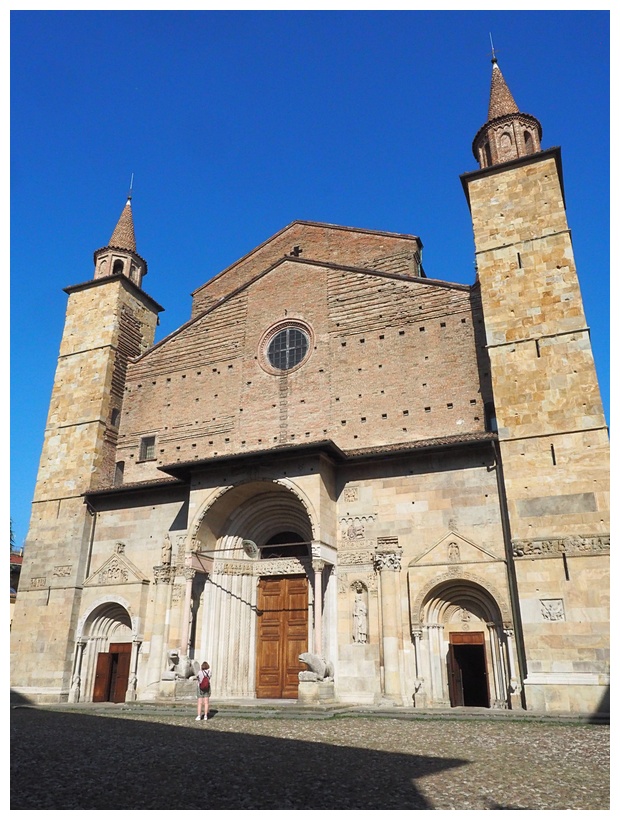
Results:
355 558
568 545
388 560
567 678
275 566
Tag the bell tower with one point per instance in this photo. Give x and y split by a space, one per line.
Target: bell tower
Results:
109 319
553 438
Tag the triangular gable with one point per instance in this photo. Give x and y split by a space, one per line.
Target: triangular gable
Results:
232 305
454 549
284 243
118 569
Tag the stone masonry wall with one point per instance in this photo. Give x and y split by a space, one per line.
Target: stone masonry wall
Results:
553 435
105 324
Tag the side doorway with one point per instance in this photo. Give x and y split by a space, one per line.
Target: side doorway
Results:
468 679
282 635
112 674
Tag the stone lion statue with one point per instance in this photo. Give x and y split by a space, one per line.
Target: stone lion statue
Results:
318 668
180 667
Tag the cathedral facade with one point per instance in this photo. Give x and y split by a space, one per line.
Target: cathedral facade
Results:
340 481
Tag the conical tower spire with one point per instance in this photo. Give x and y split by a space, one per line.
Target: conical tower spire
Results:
119 257
501 101
508 132
124 236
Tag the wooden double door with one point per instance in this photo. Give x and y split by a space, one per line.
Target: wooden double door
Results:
112 674
282 635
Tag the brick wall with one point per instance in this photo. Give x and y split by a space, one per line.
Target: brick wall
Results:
392 360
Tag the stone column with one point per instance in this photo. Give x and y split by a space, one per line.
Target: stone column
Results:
388 566
499 695
318 566
161 599
132 683
437 663
515 681
419 698
189 573
76 679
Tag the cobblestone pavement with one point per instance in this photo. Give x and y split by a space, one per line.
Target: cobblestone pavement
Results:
162 759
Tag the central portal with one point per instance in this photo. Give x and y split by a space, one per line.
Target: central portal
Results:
282 635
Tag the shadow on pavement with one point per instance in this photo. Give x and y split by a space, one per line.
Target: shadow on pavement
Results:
76 761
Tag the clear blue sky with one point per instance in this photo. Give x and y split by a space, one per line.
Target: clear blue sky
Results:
237 123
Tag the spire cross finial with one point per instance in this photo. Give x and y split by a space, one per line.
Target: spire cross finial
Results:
493 57
130 194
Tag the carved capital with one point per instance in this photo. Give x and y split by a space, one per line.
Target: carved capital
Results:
163 574
388 561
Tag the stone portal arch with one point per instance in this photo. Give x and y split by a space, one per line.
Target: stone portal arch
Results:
105 657
464 653
232 611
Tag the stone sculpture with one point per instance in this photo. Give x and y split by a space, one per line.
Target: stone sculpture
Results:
318 668
360 619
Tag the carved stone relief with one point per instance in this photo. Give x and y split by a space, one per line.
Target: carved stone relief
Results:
360 613
113 573
354 527
275 566
552 609
356 558
351 494
454 552
63 571
569 545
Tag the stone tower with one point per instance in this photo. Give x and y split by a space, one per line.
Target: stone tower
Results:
109 319
553 438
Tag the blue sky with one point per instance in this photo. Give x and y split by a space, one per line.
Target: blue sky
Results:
236 123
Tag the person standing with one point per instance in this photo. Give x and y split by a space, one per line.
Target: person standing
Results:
204 691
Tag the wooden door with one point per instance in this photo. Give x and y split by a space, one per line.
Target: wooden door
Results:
282 635
101 692
467 670
120 671
112 674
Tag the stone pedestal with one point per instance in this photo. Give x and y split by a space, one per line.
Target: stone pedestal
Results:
316 693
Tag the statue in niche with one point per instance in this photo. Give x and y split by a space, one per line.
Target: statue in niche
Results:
360 616
166 550
454 553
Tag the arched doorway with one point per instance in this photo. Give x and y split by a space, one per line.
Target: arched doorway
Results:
462 646
254 619
107 664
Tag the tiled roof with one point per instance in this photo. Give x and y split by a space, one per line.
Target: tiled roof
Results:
124 236
501 101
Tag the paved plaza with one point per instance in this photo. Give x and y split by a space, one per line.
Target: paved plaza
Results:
161 758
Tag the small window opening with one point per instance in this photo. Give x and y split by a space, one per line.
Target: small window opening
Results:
147 448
